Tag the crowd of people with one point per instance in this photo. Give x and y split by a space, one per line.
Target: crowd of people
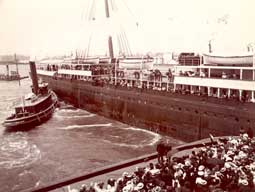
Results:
225 165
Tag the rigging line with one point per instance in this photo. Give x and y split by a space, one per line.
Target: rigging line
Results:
84 54
128 45
89 44
130 11
124 43
119 44
92 11
85 11
113 5
88 9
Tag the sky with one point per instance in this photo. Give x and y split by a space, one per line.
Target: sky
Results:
55 27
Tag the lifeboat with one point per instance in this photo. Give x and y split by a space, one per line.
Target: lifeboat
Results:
228 60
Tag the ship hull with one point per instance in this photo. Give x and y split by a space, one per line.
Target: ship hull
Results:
185 117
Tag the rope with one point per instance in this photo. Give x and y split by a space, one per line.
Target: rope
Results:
127 42
90 37
113 5
92 10
135 18
119 44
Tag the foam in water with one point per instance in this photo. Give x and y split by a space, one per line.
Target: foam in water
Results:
16 151
68 110
85 126
58 116
126 143
156 135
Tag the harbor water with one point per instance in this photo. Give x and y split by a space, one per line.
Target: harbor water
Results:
73 142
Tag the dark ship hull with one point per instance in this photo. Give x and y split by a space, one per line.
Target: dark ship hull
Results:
186 117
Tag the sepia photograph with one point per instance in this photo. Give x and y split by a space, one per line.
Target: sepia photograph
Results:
127 95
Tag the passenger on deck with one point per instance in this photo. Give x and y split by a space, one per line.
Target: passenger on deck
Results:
250 132
162 149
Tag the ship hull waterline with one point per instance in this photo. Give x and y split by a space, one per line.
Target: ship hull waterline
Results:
175 116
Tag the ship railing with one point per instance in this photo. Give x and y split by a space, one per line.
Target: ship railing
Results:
191 74
235 72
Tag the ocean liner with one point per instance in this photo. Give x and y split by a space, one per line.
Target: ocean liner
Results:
188 100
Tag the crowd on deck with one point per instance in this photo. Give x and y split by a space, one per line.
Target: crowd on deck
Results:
225 165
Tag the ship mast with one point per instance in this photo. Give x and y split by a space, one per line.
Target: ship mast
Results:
110 46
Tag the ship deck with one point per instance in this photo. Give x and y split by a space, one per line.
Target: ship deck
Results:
33 102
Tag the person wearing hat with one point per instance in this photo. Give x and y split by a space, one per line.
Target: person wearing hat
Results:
243 185
250 132
139 186
83 188
242 131
99 187
119 185
161 151
201 185
111 185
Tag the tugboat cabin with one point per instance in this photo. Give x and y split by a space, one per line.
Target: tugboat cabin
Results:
33 104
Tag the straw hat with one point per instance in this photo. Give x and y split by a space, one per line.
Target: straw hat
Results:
127 188
125 174
227 165
187 163
243 181
201 181
139 186
201 167
200 173
156 189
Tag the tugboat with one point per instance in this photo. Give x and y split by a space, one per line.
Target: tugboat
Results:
35 108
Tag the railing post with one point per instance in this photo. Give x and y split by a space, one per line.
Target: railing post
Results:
241 74
240 94
252 96
218 92
229 92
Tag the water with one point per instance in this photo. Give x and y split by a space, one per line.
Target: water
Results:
71 143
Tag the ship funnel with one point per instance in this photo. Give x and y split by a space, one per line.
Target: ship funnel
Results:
34 77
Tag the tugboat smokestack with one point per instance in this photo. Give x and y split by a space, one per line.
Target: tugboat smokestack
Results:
34 76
